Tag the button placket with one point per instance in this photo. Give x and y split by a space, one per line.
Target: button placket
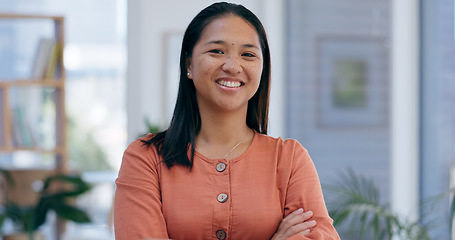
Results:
222 184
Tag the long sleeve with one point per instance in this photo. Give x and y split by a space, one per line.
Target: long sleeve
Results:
271 179
137 203
304 190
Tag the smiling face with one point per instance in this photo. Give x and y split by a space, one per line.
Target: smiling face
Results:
226 64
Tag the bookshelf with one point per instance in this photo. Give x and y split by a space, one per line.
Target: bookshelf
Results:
32 99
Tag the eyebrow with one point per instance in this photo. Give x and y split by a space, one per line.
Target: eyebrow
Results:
247 45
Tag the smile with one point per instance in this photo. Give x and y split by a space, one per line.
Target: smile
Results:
230 84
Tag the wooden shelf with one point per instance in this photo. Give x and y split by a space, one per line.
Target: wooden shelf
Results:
38 82
11 90
19 95
30 16
56 150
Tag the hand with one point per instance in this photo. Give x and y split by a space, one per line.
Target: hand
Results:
295 223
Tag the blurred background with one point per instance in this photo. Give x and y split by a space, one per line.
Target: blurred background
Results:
368 87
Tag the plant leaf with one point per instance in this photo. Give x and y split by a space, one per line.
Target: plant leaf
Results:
79 185
9 179
356 198
69 212
41 210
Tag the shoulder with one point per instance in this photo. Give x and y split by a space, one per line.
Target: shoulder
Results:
269 142
287 153
139 150
139 143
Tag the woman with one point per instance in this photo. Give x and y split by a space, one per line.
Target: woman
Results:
214 174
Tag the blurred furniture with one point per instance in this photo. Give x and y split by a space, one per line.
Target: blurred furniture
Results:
32 106
33 135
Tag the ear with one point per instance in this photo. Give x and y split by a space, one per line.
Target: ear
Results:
188 69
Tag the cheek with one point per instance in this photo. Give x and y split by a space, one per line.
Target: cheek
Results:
205 66
255 72
202 73
257 76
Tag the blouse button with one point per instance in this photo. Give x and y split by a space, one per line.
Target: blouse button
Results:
222 197
220 167
220 234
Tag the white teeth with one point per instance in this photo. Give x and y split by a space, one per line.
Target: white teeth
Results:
229 83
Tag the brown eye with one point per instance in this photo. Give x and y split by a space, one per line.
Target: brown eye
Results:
248 55
216 51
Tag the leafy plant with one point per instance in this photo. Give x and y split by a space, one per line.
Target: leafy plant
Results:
355 202
30 218
151 128
8 180
435 214
7 176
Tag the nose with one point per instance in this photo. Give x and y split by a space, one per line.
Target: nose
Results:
232 65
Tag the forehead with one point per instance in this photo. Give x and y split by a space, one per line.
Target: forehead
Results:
230 27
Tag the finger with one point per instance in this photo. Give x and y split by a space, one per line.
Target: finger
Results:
294 218
306 232
299 214
307 215
301 228
290 220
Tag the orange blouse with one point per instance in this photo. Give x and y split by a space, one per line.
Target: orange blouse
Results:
243 198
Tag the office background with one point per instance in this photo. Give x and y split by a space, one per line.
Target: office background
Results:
363 85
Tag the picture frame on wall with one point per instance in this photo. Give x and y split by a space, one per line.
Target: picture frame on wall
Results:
351 82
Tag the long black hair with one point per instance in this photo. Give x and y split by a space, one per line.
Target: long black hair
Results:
173 143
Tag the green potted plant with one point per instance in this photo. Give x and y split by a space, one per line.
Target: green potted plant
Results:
354 205
55 194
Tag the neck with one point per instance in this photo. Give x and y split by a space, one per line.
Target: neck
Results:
222 128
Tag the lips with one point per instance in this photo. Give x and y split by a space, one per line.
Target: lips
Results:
230 83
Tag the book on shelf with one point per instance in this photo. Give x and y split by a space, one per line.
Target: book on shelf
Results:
45 59
16 128
22 131
52 63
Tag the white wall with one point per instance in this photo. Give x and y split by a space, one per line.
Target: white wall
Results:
148 24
